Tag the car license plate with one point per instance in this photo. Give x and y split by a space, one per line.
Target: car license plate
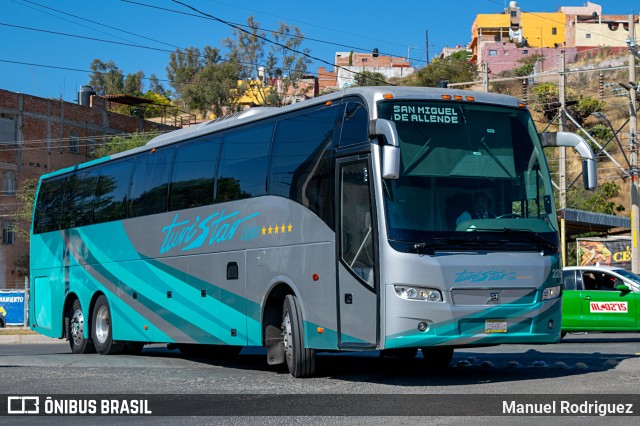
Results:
495 326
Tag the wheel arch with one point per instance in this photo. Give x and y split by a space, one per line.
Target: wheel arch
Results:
71 297
92 304
272 306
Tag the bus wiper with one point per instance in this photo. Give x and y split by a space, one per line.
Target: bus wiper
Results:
526 233
428 248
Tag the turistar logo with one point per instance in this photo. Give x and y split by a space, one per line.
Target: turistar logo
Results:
484 276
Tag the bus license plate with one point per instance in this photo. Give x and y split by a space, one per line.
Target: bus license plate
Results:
495 326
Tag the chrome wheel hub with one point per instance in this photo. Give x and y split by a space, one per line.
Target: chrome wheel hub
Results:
102 324
77 327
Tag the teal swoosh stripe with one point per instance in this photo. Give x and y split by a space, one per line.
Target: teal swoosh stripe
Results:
448 331
171 324
240 303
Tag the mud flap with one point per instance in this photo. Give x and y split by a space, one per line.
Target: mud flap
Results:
275 347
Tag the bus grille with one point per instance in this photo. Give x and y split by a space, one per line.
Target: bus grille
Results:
493 296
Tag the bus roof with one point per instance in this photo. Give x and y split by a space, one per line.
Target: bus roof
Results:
369 94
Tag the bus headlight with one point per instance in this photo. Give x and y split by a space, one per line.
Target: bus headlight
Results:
418 293
551 292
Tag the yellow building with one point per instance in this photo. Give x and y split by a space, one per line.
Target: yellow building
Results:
543 29
254 92
539 29
489 28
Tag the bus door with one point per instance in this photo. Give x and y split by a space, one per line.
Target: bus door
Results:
357 274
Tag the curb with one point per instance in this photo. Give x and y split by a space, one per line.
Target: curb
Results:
6 339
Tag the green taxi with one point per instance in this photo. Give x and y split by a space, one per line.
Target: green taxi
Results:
600 298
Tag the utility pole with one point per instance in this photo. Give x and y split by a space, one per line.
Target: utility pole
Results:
485 77
633 148
426 36
562 167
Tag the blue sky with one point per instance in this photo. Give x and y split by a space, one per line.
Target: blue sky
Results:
28 57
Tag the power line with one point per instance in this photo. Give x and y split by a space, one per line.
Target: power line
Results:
271 31
97 23
276 43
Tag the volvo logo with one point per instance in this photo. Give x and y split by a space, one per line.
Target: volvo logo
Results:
494 297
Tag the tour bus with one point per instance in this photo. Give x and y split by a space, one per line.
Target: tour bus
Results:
341 223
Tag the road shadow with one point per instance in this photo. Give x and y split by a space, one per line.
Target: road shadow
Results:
466 368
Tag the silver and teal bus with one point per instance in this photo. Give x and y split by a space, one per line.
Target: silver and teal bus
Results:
345 222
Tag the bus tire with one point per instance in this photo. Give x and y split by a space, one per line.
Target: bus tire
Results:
437 356
301 361
1 322
79 344
101 329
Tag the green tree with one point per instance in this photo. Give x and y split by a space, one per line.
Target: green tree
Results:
454 69
156 87
368 78
547 103
184 66
23 215
599 201
283 62
133 84
156 109
122 143
215 86
106 78
288 62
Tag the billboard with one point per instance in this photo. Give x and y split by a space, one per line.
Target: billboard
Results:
612 251
12 306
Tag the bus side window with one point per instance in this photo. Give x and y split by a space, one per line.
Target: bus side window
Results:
355 127
77 207
48 212
243 163
192 178
300 160
111 193
150 182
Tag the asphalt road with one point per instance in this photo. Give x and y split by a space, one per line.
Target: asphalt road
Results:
601 364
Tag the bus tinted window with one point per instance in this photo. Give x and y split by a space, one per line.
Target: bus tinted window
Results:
111 193
77 208
150 182
355 127
48 212
193 174
300 165
243 163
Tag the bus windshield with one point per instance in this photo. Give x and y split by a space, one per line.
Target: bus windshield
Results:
469 173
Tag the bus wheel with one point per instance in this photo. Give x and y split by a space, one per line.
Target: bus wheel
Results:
437 356
101 329
301 362
79 344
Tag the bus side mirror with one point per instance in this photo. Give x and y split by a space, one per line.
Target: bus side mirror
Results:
589 177
391 148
